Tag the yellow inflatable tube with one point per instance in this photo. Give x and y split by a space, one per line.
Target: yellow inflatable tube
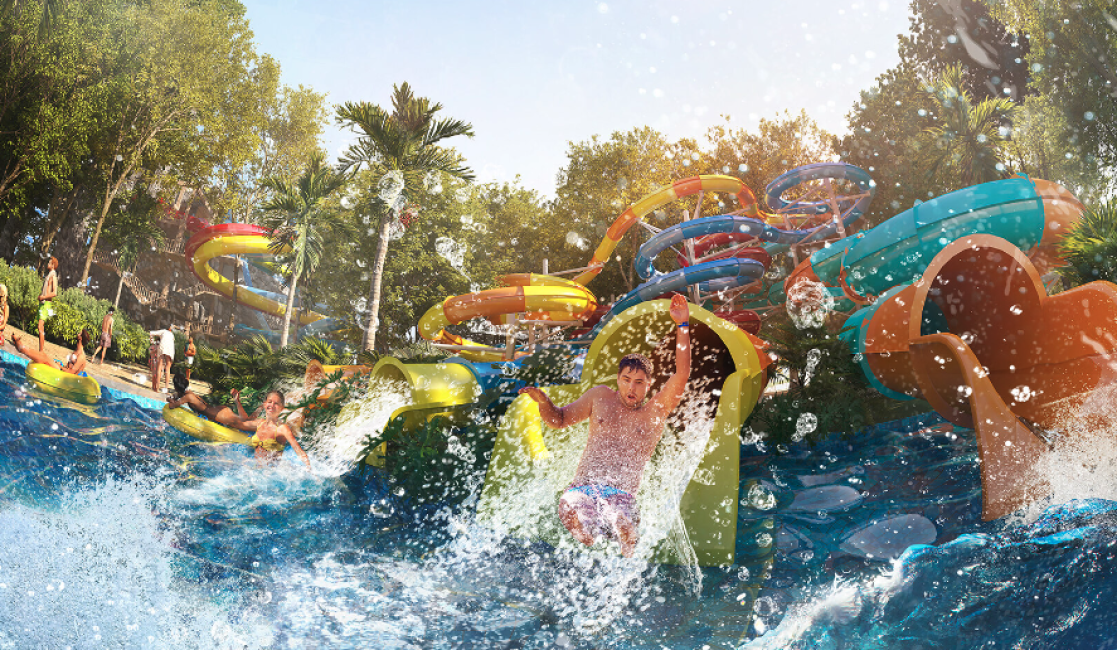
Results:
537 297
189 423
75 388
235 239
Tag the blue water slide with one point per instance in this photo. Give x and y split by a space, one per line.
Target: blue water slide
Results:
818 171
716 275
853 209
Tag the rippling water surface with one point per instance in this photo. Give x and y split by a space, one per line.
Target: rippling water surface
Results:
119 531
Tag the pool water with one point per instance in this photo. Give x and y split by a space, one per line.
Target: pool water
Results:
119 531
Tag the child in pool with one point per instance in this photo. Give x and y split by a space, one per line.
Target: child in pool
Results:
624 431
273 436
75 363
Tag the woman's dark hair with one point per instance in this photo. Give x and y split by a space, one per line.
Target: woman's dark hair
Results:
282 400
182 384
86 337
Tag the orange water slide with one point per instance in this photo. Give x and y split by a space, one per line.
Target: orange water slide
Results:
979 338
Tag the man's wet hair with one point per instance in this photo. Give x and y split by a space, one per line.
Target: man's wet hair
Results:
636 362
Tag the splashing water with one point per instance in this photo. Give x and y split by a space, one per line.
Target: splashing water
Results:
452 252
806 423
813 357
335 452
390 187
808 304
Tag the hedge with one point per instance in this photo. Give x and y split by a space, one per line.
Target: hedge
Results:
73 310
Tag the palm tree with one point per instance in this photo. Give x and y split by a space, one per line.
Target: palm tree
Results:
299 225
1089 249
972 137
402 144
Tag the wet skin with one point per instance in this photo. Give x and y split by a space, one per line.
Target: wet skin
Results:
623 431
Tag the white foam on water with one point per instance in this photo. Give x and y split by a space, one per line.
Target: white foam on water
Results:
99 572
602 584
1083 462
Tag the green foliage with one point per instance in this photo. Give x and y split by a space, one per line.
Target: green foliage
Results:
64 326
1090 247
827 387
73 310
24 285
437 463
253 366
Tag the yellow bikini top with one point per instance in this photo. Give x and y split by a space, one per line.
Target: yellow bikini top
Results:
273 444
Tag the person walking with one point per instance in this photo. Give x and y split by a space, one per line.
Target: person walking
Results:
166 357
106 334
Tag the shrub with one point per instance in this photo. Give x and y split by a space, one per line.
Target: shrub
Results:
1090 247
24 285
73 310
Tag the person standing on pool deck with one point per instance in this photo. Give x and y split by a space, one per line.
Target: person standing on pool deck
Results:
4 311
166 357
106 334
190 352
624 432
50 290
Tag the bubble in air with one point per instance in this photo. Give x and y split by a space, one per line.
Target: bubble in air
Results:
808 303
806 423
390 187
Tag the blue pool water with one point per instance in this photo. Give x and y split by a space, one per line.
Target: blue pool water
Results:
119 532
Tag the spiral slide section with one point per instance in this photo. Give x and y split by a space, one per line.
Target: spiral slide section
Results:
538 297
237 239
659 198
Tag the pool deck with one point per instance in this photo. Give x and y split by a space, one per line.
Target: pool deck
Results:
117 378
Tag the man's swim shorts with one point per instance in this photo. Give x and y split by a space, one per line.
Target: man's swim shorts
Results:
597 507
46 310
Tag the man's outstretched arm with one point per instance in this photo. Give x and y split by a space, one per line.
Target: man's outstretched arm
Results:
573 413
668 398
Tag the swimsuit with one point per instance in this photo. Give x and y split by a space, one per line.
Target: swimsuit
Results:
597 507
268 445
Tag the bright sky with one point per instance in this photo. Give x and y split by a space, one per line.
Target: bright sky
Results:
534 76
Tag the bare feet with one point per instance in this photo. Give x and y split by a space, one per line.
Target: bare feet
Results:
626 535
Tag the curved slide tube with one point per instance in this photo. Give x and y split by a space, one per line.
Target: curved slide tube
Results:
539 297
818 171
531 464
979 338
1029 214
237 239
664 195
716 275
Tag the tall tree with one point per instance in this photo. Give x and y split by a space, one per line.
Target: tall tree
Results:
887 138
971 137
962 32
299 224
178 70
1073 62
401 147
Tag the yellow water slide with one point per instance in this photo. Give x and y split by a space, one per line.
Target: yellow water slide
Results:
532 464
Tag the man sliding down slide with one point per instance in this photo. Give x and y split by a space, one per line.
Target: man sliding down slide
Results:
624 431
